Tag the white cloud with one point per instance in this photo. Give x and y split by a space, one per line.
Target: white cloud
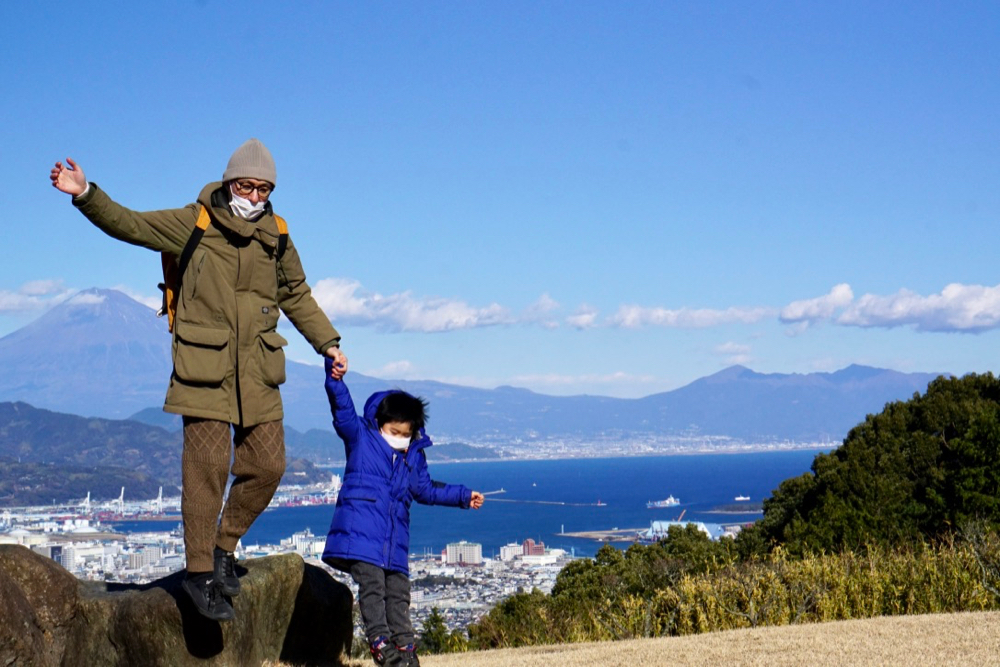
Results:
962 308
735 353
633 317
154 302
36 295
810 311
958 308
346 301
394 370
732 348
540 312
42 287
584 318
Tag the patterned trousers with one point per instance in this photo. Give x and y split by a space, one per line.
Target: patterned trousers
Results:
258 461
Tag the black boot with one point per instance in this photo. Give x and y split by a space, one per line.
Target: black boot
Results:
206 593
225 572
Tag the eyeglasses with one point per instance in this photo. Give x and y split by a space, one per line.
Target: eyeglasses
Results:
246 188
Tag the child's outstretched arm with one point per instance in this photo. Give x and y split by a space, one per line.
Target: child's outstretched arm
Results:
428 492
346 422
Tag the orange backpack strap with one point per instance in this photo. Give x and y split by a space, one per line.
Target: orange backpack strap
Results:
174 267
282 235
199 230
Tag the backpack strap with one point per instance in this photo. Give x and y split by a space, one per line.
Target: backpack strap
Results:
199 230
282 235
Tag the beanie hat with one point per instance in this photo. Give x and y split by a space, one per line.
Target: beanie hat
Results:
251 160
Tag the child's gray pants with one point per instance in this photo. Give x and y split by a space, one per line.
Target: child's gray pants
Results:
384 599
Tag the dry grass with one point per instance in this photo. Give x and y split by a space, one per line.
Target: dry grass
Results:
935 639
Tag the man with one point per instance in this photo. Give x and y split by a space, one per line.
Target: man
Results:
227 352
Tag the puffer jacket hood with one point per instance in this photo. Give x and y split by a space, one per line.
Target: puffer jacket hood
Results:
421 440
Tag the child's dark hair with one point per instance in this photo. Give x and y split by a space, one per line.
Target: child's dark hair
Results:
402 407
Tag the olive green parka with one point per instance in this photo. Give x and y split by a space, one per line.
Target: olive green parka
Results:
227 352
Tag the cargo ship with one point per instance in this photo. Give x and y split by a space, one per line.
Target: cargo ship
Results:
670 501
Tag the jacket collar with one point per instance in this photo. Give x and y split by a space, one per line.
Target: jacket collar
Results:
215 198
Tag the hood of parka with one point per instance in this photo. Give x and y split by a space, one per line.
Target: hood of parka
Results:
215 197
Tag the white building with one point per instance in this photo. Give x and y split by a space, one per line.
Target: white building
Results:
467 553
511 551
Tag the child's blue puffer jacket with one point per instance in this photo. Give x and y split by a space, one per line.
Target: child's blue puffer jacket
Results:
371 522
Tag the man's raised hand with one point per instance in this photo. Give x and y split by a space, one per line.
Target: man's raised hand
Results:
68 179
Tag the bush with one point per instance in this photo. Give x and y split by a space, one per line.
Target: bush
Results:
608 599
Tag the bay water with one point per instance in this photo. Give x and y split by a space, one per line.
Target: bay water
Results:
544 498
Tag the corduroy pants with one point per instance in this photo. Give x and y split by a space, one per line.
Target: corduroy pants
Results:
258 461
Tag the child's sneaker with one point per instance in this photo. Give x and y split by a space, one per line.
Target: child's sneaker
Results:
408 654
384 653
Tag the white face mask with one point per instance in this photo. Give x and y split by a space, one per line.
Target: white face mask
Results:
246 209
399 443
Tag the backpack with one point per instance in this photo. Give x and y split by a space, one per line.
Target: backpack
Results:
174 266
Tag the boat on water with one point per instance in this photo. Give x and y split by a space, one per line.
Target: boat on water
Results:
670 501
741 499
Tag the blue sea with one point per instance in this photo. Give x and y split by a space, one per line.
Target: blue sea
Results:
702 482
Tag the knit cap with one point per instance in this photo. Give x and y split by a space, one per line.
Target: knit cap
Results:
251 160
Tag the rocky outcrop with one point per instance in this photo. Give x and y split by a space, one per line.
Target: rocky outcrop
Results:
287 610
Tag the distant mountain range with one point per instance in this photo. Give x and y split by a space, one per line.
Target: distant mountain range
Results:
46 456
102 354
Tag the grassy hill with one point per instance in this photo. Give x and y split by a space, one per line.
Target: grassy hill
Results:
932 639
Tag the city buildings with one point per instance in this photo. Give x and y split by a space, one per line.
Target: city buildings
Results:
463 553
460 584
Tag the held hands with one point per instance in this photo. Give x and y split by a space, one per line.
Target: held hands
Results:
333 378
336 363
69 179
477 500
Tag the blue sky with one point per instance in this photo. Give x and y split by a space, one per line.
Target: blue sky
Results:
575 197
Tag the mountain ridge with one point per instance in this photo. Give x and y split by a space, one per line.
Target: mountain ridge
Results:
120 366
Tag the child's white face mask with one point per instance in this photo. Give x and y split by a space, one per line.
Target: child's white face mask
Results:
399 443
246 209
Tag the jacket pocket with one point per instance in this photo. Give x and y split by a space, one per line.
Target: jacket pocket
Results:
272 362
359 492
200 354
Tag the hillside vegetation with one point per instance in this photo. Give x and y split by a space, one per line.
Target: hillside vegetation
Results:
900 520
51 457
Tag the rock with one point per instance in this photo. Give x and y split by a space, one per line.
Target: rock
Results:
37 605
286 610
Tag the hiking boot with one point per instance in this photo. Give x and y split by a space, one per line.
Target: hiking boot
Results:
408 655
206 593
225 572
384 653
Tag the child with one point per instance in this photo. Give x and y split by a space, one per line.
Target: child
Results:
370 533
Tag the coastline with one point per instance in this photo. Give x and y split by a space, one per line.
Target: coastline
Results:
333 463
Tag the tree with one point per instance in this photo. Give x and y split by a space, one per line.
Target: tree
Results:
916 471
434 637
